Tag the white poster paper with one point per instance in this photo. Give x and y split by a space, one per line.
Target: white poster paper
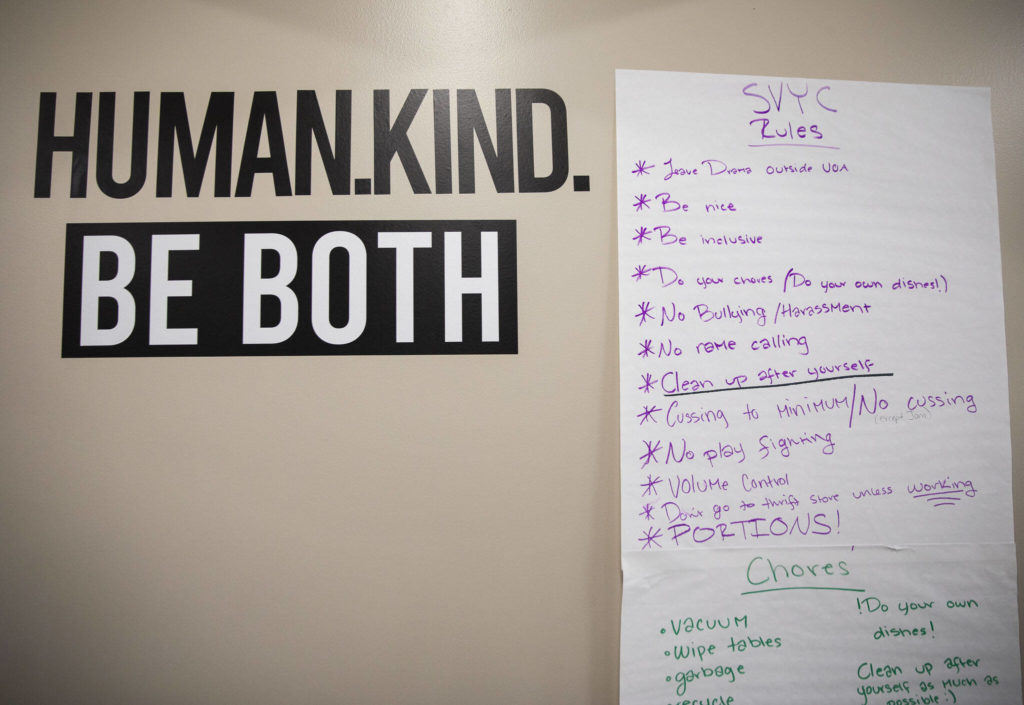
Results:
811 349
912 626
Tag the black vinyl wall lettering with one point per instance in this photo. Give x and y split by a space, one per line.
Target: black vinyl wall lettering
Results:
264 114
391 139
510 137
105 147
290 288
529 182
174 127
497 153
309 124
77 143
442 142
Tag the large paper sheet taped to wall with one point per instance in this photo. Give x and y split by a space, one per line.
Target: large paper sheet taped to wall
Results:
813 392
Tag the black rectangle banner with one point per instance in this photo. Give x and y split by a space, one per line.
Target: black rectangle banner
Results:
361 287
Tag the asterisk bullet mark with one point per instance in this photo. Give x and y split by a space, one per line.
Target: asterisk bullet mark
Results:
646 414
647 383
642 201
642 270
651 486
652 448
642 167
650 538
645 312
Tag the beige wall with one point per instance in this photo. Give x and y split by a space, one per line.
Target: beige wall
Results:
373 529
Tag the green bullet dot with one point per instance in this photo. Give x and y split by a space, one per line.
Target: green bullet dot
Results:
667 653
668 679
662 631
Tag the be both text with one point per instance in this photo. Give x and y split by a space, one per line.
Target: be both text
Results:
290 288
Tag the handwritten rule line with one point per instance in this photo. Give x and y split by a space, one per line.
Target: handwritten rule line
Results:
774 386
